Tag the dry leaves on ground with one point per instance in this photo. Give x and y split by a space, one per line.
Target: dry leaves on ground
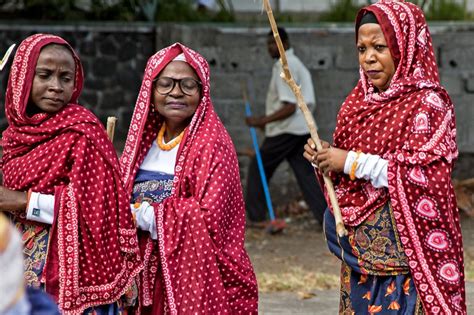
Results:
296 280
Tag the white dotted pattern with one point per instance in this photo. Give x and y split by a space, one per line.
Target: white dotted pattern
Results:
93 252
412 125
200 253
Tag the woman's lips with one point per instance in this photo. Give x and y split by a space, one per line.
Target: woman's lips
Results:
372 72
55 101
175 105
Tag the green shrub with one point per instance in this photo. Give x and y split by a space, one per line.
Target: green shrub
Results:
341 11
435 10
446 10
122 10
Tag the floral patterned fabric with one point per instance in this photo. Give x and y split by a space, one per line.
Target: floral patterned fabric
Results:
152 187
412 125
35 249
375 276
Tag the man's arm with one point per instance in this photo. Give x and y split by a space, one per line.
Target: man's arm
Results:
284 112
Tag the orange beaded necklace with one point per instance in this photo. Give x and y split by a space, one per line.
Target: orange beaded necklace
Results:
168 146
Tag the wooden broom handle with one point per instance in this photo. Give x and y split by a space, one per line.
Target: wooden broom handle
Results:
286 75
111 120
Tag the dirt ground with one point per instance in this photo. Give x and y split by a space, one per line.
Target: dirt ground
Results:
295 268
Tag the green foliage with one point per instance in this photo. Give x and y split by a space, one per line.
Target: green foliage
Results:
177 10
120 10
446 10
435 10
341 11
42 10
184 11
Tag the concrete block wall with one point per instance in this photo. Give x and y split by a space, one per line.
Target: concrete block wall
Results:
114 57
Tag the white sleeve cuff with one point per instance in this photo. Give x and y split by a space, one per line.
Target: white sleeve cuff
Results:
41 208
351 156
369 167
145 218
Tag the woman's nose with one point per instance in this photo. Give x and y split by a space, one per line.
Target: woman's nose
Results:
176 90
370 56
56 85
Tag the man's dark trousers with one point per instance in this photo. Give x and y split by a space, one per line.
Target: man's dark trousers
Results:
273 151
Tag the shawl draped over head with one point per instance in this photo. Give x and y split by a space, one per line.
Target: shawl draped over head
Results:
412 125
200 227
93 250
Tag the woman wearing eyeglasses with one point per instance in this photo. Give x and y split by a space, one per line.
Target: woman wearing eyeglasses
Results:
180 166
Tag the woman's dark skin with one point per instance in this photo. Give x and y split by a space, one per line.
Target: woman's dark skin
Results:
12 200
52 89
329 159
377 62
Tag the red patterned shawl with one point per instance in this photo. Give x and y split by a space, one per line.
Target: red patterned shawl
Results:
93 253
412 125
205 267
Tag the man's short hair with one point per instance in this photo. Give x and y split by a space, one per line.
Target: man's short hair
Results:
283 35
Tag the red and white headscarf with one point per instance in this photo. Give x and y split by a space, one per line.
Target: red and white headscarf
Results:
200 247
93 252
412 125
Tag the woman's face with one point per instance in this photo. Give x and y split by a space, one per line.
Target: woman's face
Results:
53 82
374 55
176 106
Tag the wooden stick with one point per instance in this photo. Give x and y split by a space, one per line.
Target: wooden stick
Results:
286 75
111 127
5 58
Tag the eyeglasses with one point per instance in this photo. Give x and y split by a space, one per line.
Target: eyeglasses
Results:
188 86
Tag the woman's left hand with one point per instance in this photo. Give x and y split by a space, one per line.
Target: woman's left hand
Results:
330 160
12 200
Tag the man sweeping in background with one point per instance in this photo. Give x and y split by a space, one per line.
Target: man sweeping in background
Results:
285 136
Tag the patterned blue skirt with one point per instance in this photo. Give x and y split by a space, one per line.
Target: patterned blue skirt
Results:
375 277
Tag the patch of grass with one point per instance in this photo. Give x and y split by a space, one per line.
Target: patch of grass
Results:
296 280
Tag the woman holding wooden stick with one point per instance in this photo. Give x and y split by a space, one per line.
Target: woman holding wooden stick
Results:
391 162
62 185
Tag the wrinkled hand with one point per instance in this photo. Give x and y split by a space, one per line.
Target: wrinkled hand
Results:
258 122
12 200
310 150
328 159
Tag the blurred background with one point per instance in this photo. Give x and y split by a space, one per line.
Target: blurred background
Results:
114 39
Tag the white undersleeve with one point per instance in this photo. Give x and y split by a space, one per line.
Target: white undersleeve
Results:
369 167
41 208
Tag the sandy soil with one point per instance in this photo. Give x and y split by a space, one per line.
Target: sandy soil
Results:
292 260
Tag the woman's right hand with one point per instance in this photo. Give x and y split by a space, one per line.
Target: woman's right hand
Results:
310 151
12 200
328 159
144 216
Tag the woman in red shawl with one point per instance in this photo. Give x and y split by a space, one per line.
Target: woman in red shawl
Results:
80 239
181 167
391 163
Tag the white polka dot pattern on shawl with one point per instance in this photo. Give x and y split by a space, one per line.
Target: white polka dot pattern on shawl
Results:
93 243
412 125
204 266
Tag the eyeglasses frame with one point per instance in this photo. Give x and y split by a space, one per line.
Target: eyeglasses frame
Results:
178 81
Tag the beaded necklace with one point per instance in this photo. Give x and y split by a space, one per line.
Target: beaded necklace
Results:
168 146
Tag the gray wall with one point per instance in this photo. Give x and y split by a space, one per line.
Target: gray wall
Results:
114 57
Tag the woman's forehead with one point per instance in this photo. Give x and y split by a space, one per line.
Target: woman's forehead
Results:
370 31
179 69
56 54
